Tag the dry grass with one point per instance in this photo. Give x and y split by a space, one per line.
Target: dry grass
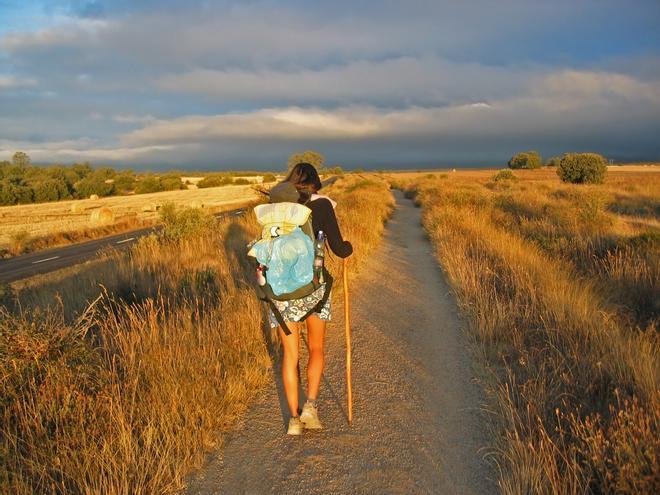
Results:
53 223
562 294
126 394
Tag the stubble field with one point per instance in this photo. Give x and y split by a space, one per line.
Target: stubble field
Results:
48 224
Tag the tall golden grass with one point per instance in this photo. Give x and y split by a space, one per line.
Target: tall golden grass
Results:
561 290
119 379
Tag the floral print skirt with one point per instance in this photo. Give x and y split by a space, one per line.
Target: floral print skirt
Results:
295 309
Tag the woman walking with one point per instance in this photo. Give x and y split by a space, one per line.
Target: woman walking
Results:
307 183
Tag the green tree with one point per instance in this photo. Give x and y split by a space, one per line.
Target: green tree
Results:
12 193
21 160
4 168
124 182
582 168
92 185
6 194
526 159
49 190
104 173
553 162
148 184
82 170
313 157
171 182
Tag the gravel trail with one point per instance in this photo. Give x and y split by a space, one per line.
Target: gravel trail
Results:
417 423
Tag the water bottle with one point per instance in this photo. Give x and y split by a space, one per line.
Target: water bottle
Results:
319 254
261 279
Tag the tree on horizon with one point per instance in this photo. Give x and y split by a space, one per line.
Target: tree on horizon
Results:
310 156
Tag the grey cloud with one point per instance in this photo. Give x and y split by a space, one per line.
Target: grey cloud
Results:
426 79
12 82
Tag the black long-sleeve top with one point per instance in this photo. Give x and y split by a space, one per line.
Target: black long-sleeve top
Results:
324 218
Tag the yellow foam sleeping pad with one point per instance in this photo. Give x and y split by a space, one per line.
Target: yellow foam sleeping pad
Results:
280 218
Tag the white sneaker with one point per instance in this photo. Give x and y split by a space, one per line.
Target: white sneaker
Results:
310 417
295 427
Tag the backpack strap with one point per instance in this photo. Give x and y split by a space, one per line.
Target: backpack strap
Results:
326 294
278 316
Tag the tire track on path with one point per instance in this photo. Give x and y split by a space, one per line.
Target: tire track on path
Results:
417 423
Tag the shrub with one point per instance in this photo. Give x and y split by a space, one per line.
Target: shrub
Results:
214 181
526 159
11 193
7 295
148 184
50 190
188 222
269 178
82 170
18 241
124 182
504 174
241 182
332 170
171 183
151 184
582 168
553 162
93 185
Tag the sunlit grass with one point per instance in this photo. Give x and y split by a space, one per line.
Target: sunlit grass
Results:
118 378
562 292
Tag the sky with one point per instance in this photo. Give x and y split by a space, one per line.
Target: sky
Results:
373 84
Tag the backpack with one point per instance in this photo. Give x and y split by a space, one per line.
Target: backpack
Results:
285 257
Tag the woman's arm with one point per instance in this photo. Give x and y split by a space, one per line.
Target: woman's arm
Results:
323 218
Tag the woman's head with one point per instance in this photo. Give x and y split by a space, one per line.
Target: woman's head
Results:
306 179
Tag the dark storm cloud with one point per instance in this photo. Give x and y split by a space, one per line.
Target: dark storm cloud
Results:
245 82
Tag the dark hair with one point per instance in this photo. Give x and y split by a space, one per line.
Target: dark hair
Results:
306 179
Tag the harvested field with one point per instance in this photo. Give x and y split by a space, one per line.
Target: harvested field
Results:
45 219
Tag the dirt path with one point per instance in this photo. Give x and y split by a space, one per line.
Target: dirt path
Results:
417 425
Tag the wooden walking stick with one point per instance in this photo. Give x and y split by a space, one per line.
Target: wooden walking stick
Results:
349 384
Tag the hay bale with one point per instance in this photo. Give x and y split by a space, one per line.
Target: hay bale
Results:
76 208
196 204
149 207
102 215
94 196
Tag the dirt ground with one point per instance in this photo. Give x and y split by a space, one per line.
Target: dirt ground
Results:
418 422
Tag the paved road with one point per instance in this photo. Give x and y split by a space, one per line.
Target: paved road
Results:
48 260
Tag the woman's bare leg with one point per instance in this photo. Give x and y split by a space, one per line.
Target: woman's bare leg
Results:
290 366
315 336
